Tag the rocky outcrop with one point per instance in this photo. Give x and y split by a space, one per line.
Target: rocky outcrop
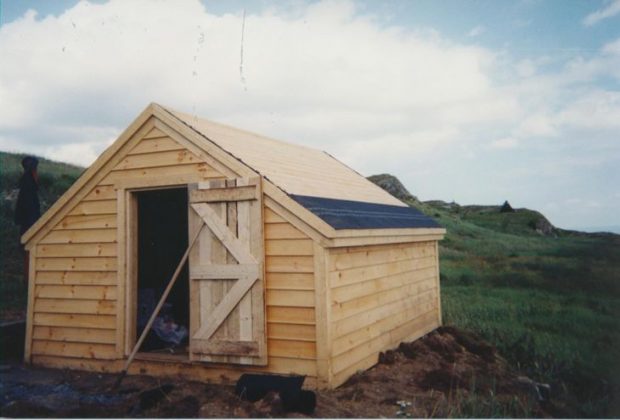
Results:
392 185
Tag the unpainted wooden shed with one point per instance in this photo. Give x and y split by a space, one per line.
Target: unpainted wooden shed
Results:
301 265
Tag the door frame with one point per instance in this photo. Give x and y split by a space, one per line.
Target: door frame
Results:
127 264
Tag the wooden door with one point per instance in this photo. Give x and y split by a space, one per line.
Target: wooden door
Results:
227 311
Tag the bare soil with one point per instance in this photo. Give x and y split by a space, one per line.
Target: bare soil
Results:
446 373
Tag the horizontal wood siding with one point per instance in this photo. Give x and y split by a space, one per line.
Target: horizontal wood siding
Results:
75 294
289 266
380 296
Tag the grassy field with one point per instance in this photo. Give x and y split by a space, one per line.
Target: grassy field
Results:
550 303
548 299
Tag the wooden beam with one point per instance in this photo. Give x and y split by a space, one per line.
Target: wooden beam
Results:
323 317
233 348
226 305
237 248
223 271
30 310
223 194
121 268
437 279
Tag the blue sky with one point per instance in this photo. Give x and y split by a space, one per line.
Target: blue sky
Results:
473 101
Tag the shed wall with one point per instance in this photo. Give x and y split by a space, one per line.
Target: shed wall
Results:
77 300
76 286
380 296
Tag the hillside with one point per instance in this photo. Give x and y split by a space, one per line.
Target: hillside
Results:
548 298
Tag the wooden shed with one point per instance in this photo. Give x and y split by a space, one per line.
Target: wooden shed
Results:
300 266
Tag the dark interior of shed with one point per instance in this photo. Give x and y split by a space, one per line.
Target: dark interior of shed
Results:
162 241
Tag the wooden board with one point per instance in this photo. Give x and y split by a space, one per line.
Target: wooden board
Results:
291 315
77 250
289 264
76 264
75 292
159 159
94 207
101 192
73 236
303 350
298 298
285 247
283 231
88 222
293 332
81 350
105 322
183 174
290 281
76 335
156 145
102 278
75 306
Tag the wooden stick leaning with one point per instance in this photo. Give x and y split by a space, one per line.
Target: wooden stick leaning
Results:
163 298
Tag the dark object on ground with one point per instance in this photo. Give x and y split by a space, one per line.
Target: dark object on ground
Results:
506 208
387 358
13 336
305 405
150 398
254 387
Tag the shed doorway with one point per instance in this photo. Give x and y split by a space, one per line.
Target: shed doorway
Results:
161 243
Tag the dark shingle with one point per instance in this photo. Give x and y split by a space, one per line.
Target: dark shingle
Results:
345 214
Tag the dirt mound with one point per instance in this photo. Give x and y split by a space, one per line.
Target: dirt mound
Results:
447 373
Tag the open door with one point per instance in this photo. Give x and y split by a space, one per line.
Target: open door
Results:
227 310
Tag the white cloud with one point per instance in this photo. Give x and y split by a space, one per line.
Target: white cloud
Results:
594 110
537 125
504 143
526 67
323 67
612 48
475 31
612 9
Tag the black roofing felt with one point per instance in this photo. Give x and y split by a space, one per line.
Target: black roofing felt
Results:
345 214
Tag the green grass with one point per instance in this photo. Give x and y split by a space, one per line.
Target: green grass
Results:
549 303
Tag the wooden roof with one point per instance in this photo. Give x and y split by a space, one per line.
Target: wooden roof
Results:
291 170
294 168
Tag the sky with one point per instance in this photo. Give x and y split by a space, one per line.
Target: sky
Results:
469 101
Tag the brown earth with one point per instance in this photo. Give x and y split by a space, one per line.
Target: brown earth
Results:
448 373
